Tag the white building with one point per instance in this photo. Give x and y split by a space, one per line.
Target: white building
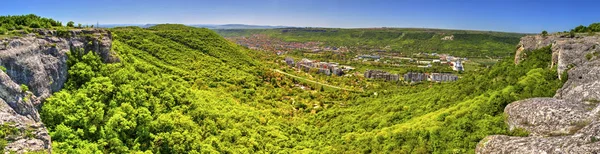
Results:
424 62
457 66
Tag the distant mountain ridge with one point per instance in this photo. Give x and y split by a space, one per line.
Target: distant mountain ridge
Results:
209 26
238 26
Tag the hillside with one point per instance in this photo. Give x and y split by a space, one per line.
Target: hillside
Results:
179 89
182 89
461 43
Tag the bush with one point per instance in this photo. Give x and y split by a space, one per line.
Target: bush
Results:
35 25
21 21
595 27
544 33
24 88
572 34
591 33
71 24
3 30
589 56
62 32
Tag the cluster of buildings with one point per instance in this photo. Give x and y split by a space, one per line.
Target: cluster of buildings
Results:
448 38
321 67
457 65
434 77
381 75
442 77
415 77
374 57
411 76
454 62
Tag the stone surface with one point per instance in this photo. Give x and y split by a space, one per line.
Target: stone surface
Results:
583 83
570 121
548 116
39 61
566 52
586 140
17 109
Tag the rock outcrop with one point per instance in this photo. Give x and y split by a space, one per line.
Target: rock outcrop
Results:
570 121
38 62
566 52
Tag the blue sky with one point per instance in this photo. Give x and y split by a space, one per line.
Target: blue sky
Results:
496 15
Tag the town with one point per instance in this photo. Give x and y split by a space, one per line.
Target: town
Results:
326 68
331 68
428 62
266 43
422 60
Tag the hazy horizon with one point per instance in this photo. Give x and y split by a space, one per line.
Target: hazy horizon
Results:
491 15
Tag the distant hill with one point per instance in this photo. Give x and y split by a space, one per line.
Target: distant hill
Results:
464 43
209 26
238 26
124 25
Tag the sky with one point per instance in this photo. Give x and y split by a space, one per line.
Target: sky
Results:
528 16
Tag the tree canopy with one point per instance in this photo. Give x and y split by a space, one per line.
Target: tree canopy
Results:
594 27
20 22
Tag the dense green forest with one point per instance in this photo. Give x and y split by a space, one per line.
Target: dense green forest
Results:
21 21
180 89
400 40
24 22
177 90
595 27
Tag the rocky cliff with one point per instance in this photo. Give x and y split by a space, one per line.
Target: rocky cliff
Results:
570 121
33 67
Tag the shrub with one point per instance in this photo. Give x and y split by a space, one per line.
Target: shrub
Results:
24 88
71 24
544 33
62 32
572 34
35 25
589 56
3 31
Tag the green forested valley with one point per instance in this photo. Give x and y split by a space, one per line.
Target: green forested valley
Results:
180 89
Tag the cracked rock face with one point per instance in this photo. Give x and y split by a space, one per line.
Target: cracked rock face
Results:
40 63
583 83
17 109
566 52
547 116
570 121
